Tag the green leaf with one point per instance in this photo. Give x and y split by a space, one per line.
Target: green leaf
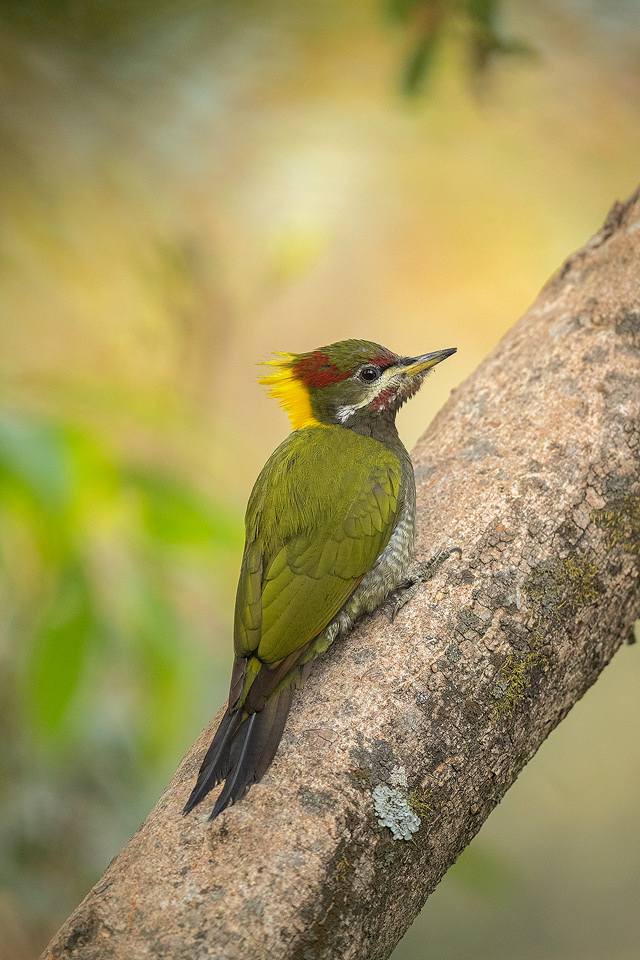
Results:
59 650
483 12
420 63
175 515
401 11
35 460
158 662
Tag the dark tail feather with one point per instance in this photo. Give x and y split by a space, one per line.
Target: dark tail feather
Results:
253 749
216 763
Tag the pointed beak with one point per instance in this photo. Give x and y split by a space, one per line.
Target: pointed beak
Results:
410 367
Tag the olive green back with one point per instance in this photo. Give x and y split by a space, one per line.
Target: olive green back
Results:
321 511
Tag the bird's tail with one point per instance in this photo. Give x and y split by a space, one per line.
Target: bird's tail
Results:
241 751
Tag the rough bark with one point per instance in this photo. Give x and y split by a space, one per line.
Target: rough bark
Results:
531 470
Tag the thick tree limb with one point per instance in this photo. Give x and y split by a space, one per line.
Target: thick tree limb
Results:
531 470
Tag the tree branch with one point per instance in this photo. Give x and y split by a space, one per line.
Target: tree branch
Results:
531 470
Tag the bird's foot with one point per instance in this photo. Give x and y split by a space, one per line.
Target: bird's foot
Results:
419 574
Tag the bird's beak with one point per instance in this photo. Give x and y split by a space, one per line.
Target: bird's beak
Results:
411 367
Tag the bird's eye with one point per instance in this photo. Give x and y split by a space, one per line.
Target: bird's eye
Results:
369 374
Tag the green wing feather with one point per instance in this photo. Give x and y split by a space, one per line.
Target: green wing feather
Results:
321 512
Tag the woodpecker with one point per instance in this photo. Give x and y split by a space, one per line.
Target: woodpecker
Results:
330 527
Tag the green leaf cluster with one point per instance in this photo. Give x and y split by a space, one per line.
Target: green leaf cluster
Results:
475 24
108 615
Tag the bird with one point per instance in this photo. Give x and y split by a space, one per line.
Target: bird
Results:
330 528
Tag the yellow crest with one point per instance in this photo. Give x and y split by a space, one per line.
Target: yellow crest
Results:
290 393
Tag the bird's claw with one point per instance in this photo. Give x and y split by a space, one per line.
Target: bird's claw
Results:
421 573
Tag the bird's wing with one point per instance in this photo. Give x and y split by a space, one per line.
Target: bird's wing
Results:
321 512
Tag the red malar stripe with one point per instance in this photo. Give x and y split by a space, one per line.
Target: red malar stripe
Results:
381 402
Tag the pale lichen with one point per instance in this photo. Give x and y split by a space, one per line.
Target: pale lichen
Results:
392 807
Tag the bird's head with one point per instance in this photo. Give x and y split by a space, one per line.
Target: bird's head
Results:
346 382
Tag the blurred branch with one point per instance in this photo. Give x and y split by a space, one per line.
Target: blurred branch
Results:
418 728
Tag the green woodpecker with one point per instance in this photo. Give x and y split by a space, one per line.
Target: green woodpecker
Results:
330 527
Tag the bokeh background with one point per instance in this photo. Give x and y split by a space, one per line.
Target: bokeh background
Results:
186 187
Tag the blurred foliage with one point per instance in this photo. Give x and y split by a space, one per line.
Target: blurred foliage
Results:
106 570
92 21
476 23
